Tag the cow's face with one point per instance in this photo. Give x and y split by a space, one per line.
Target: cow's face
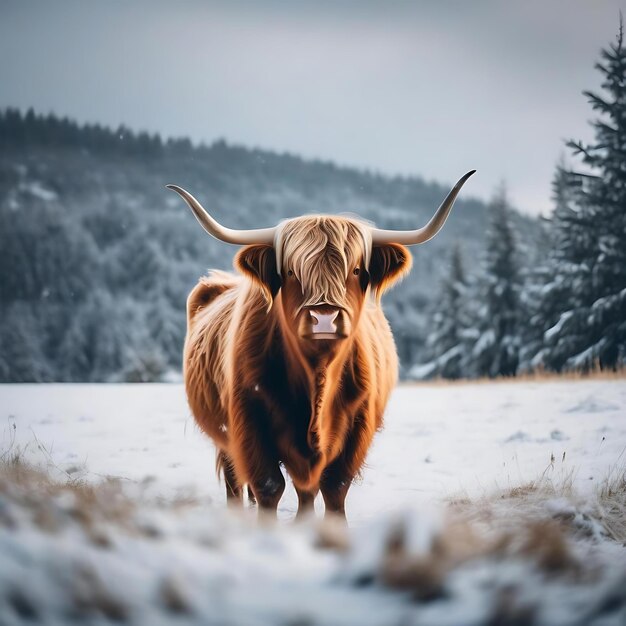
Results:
320 272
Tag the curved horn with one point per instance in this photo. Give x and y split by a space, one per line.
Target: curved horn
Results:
214 228
411 237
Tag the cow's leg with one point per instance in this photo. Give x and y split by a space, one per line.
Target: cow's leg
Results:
254 451
268 485
338 476
234 492
306 500
335 484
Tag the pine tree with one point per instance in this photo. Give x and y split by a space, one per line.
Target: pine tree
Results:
590 236
496 352
22 358
546 288
445 343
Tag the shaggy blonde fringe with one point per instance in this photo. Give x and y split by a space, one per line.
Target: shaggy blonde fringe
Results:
325 248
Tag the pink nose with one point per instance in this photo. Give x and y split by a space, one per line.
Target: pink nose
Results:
324 322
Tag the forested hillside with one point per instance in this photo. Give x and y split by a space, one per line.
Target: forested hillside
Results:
98 257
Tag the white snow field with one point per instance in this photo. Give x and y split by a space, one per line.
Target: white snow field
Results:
535 534
439 441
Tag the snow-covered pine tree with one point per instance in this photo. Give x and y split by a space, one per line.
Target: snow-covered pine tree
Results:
22 357
445 345
496 351
590 236
550 284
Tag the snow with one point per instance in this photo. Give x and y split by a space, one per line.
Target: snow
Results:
439 440
586 357
556 329
422 371
178 555
426 370
486 340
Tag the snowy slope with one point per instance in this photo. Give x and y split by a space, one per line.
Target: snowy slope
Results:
439 441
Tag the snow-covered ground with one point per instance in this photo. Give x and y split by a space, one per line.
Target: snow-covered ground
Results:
439 441
158 546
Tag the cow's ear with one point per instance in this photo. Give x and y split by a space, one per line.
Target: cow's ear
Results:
258 262
389 263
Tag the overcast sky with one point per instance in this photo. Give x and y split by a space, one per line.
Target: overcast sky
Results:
427 88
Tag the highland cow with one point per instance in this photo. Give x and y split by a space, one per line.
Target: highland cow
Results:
291 361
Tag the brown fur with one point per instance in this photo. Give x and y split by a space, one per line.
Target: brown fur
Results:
267 396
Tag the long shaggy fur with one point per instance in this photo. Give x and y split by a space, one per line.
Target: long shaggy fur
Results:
255 394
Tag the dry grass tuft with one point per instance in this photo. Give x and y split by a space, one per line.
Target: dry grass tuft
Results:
612 503
52 503
543 542
425 574
614 485
521 491
546 543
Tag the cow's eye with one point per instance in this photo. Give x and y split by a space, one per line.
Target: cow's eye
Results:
356 271
289 273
